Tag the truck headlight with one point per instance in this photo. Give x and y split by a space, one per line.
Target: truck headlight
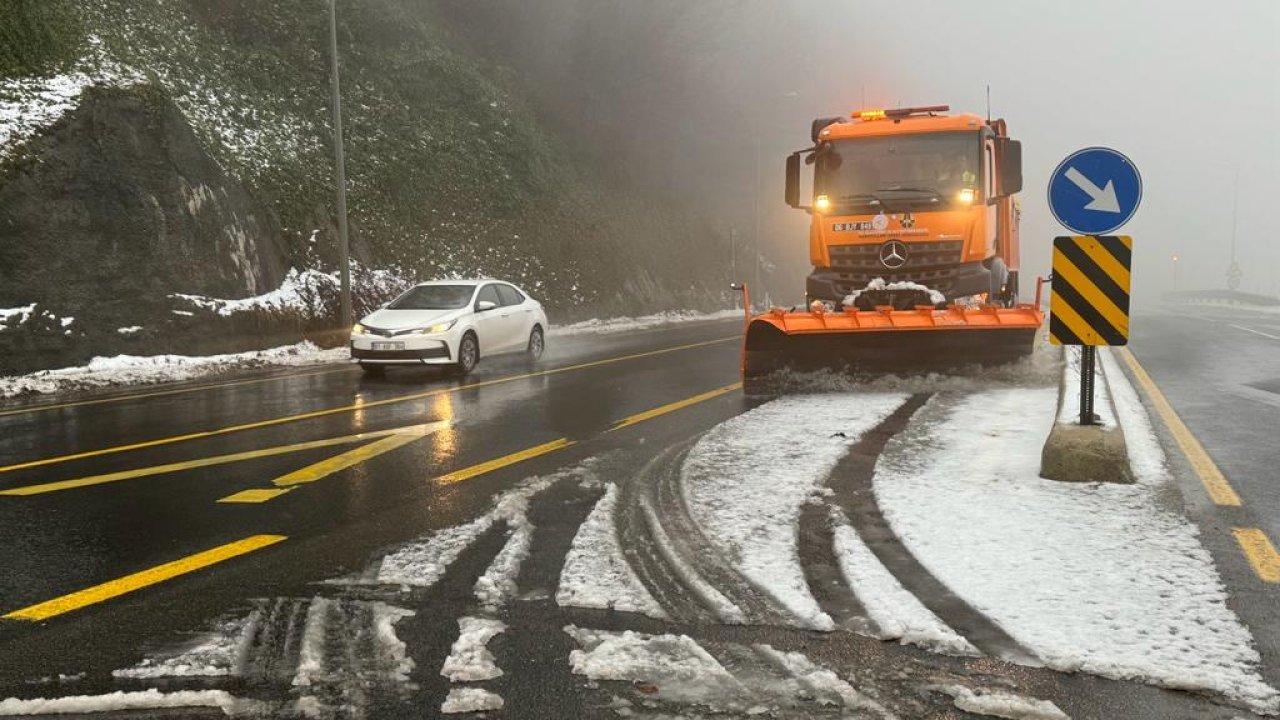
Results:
965 196
822 203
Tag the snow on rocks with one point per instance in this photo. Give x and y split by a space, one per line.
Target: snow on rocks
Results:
596 574
469 659
140 369
897 614
1001 704
746 479
122 701
644 322
469 700
301 291
30 104
1091 577
935 297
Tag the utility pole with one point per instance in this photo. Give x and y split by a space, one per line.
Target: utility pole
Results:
340 170
1233 270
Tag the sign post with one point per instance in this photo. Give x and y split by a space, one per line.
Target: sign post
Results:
1094 191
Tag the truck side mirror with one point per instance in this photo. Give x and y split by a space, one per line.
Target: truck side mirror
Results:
793 180
1009 162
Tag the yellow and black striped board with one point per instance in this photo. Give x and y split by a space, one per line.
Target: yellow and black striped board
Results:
1090 302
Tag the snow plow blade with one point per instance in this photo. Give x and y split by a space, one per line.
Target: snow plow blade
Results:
884 340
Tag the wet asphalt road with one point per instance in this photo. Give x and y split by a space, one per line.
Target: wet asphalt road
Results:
1220 370
63 541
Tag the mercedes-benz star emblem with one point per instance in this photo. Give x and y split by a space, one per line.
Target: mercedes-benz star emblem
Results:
893 254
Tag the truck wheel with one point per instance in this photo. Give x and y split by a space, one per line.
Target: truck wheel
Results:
998 295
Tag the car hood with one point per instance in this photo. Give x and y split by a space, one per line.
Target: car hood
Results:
385 319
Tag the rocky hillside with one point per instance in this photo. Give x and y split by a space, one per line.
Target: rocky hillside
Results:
153 147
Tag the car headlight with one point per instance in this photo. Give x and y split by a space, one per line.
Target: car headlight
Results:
358 329
439 328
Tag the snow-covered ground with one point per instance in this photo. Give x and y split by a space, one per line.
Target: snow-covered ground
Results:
124 370
745 480
1099 577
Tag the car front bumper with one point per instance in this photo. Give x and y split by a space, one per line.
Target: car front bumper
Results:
403 350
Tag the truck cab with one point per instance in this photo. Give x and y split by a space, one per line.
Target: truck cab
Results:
910 207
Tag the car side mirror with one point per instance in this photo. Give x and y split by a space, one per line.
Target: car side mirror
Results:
485 305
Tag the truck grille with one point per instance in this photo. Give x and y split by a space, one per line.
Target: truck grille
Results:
866 258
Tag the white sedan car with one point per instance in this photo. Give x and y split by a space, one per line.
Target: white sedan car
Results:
450 323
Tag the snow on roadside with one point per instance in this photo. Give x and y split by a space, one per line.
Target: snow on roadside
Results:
745 480
120 701
644 322
898 614
140 369
1094 577
469 659
997 703
470 700
301 291
595 572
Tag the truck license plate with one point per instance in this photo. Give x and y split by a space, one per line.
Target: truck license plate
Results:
388 346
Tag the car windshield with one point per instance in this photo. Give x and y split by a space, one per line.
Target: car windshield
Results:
433 297
915 170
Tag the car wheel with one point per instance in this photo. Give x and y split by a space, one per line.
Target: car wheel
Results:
537 343
468 354
373 370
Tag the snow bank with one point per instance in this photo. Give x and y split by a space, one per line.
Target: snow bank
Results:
122 701
595 572
140 369
470 699
301 291
1090 577
644 322
898 614
935 297
745 480
997 703
469 659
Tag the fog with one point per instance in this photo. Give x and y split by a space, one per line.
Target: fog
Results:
696 100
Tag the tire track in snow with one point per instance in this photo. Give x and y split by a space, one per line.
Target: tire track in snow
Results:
822 572
852 481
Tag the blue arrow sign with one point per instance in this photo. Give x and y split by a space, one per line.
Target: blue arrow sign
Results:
1094 191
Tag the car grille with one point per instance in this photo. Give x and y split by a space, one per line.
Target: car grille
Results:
437 352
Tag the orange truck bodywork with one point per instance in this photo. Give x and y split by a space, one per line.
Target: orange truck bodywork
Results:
961 249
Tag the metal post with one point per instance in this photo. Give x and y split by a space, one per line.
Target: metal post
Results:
733 264
340 170
1087 361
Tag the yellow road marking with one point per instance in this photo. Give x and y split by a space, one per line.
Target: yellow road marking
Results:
175 391
1261 553
1215 483
139 580
353 407
415 430
671 407
255 495
326 467
497 463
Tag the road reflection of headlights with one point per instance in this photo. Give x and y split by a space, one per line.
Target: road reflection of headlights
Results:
358 329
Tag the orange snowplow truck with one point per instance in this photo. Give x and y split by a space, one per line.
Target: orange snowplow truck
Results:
914 244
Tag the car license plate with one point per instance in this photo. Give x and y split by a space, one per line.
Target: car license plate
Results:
388 346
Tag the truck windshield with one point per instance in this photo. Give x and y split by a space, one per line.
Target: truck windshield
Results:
915 171
434 297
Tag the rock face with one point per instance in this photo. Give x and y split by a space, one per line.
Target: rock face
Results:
119 201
